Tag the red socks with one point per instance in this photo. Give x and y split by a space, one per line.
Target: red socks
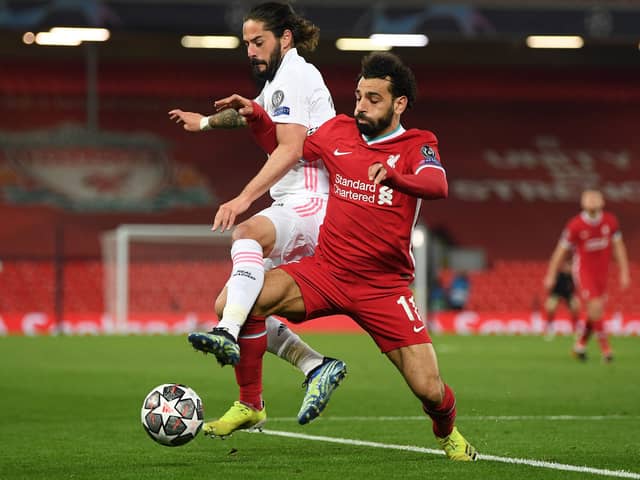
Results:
583 338
443 416
253 344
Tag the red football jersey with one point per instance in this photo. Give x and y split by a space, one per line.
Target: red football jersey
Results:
591 241
367 228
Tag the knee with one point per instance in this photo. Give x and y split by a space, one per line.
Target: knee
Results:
435 392
430 390
242 232
594 310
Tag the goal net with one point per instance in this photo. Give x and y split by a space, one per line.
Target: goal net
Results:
162 271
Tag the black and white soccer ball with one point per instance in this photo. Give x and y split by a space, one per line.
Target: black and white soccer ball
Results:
172 414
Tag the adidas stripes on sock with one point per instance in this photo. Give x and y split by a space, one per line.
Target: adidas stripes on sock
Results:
286 344
244 285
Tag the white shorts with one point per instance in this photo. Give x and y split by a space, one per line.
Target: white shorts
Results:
297 221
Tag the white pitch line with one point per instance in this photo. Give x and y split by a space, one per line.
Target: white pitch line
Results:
506 418
493 458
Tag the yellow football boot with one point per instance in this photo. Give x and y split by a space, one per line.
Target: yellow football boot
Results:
457 448
238 417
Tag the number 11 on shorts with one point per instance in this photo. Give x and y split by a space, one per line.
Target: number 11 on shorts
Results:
411 310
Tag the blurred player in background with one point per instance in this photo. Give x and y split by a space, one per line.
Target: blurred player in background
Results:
562 289
593 235
380 173
297 99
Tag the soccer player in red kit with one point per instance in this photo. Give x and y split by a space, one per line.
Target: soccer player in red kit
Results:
362 267
593 235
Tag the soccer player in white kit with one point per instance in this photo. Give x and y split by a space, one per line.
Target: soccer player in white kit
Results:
297 100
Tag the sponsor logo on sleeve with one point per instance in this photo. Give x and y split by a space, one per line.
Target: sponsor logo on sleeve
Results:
429 156
277 98
281 111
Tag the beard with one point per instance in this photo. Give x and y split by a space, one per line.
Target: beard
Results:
272 65
372 128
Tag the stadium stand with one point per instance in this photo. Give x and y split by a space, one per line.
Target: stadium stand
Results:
504 159
27 286
169 287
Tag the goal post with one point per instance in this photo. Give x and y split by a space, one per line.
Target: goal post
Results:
148 259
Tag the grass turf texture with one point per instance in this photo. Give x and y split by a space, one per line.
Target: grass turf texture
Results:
71 410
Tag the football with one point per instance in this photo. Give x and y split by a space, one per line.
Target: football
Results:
172 414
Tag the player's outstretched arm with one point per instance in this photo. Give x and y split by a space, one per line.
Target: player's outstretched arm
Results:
620 254
430 183
557 257
196 122
290 140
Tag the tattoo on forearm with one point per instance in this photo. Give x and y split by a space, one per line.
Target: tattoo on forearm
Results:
228 118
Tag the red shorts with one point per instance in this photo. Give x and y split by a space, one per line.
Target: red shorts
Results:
388 315
591 286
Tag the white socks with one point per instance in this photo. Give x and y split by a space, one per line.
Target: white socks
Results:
244 285
289 346
243 288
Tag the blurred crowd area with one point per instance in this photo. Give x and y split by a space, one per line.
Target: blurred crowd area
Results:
86 145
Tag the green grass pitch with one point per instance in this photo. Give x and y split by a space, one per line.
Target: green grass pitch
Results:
70 409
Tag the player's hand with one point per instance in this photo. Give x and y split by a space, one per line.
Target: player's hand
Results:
241 104
377 173
228 212
625 280
548 282
190 120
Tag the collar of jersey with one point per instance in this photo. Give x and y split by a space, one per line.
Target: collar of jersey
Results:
290 56
591 220
395 133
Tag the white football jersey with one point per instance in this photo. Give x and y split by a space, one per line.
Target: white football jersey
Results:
298 94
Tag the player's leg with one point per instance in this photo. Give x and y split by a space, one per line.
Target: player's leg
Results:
592 291
253 240
279 292
574 309
395 324
584 287
297 223
286 344
550 306
286 232
419 367
595 314
322 374
593 323
248 412
317 286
